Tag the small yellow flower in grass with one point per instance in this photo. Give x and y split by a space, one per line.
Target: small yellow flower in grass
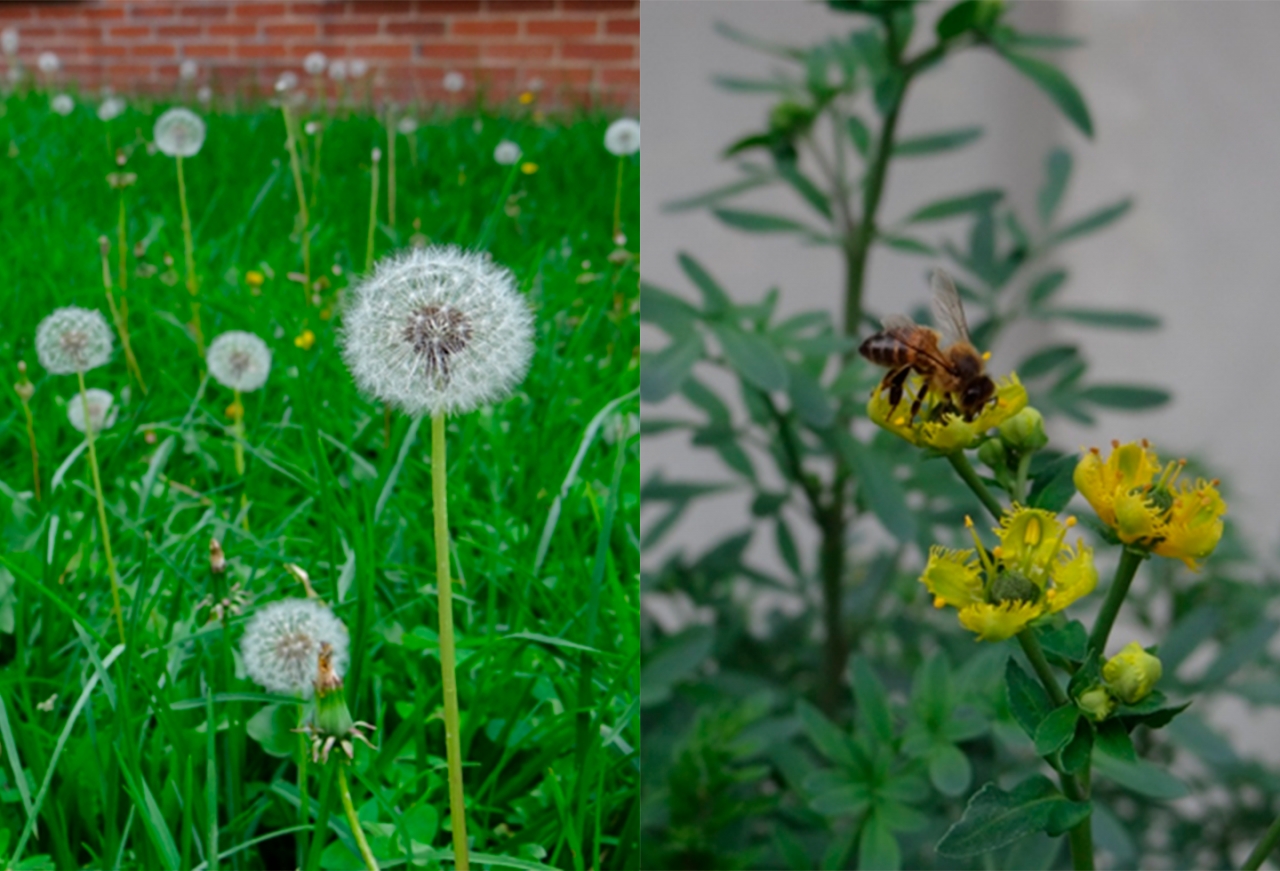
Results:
254 278
1147 507
528 167
937 425
526 98
305 340
1132 673
1033 572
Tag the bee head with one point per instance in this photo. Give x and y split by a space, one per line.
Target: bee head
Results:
976 394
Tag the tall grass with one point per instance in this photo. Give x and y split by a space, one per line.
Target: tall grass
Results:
159 753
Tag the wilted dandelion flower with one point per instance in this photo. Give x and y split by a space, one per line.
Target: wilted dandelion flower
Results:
48 62
408 125
187 70
239 360
315 63
454 81
73 340
287 82
438 330
359 67
338 70
622 137
179 132
9 41
102 410
62 104
507 152
111 107
281 645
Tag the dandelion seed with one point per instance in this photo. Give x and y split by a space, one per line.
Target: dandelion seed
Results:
47 704
179 133
111 107
622 137
239 361
407 125
9 41
102 410
187 70
454 81
314 64
359 67
62 104
338 70
438 330
48 63
507 153
282 643
287 81
73 340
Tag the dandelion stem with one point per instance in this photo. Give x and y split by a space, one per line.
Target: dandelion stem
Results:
189 250
31 439
1125 571
304 804
617 202
237 430
102 508
122 241
373 211
391 169
1264 848
365 852
120 315
444 585
304 218
964 469
315 166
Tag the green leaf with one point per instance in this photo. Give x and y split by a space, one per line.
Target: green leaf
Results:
1044 287
1019 39
859 134
1056 85
1139 776
1076 755
1056 729
1027 699
1245 647
931 690
872 700
976 201
808 398
676 660
712 197
1118 320
760 222
665 310
1091 223
807 190
949 769
935 143
995 818
272 728
422 822
1057 172
752 357
961 18
832 743
1130 397
1046 360
787 546
883 493
877 847
1053 486
661 374
908 244
1113 740
715 300
1070 643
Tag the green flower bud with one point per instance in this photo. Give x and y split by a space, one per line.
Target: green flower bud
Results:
1097 703
992 454
1013 587
790 118
1132 673
1024 431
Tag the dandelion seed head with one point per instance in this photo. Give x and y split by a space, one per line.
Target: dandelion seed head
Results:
281 645
239 361
111 107
188 69
408 125
62 104
359 67
102 410
507 152
48 62
314 64
622 137
204 94
9 41
287 82
179 132
338 70
454 81
438 330
72 340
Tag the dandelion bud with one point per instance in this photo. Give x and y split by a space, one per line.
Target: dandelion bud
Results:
282 645
24 388
1132 673
1024 432
239 361
1097 703
217 559
102 412
72 340
179 133
622 137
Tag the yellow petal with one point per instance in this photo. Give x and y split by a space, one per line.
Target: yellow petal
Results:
1029 536
1073 579
1092 480
953 576
895 420
1195 524
953 433
998 622
1136 519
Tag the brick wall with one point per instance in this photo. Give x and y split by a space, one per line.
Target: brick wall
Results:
571 52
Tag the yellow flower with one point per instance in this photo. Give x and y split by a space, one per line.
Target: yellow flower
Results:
1033 572
254 278
528 167
1147 507
1132 673
937 425
305 340
526 98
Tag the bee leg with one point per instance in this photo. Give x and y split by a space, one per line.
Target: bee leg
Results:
919 400
895 381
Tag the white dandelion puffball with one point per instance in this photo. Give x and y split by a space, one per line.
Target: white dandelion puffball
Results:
9 41
287 82
73 340
239 360
179 132
622 137
438 330
204 95
408 125
48 62
281 645
314 64
507 152
62 104
111 107
102 410
359 67
338 70
187 70
454 81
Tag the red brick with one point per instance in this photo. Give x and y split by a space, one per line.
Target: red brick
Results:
129 31
57 10
248 49
190 10
350 28
98 13
447 7
517 51
80 31
102 50
450 50
622 26
152 50
520 7
380 7
484 27
237 31
301 29
152 10
554 77
179 30
628 78
598 51
387 51
124 71
14 12
430 27
602 6
258 10
561 27
206 49
334 7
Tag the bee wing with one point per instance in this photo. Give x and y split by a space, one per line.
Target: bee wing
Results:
947 309
894 323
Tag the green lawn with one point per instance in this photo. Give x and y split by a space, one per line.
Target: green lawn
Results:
115 755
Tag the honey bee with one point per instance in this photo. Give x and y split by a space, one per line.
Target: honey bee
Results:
945 358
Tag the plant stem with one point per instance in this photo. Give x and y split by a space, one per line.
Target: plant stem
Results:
444 588
964 469
391 169
1264 848
1020 481
1128 567
119 315
1035 655
365 852
237 431
31 439
102 508
304 795
122 241
1081 835
304 218
315 166
373 211
189 250
617 202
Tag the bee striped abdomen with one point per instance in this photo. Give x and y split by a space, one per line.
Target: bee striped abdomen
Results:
885 349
